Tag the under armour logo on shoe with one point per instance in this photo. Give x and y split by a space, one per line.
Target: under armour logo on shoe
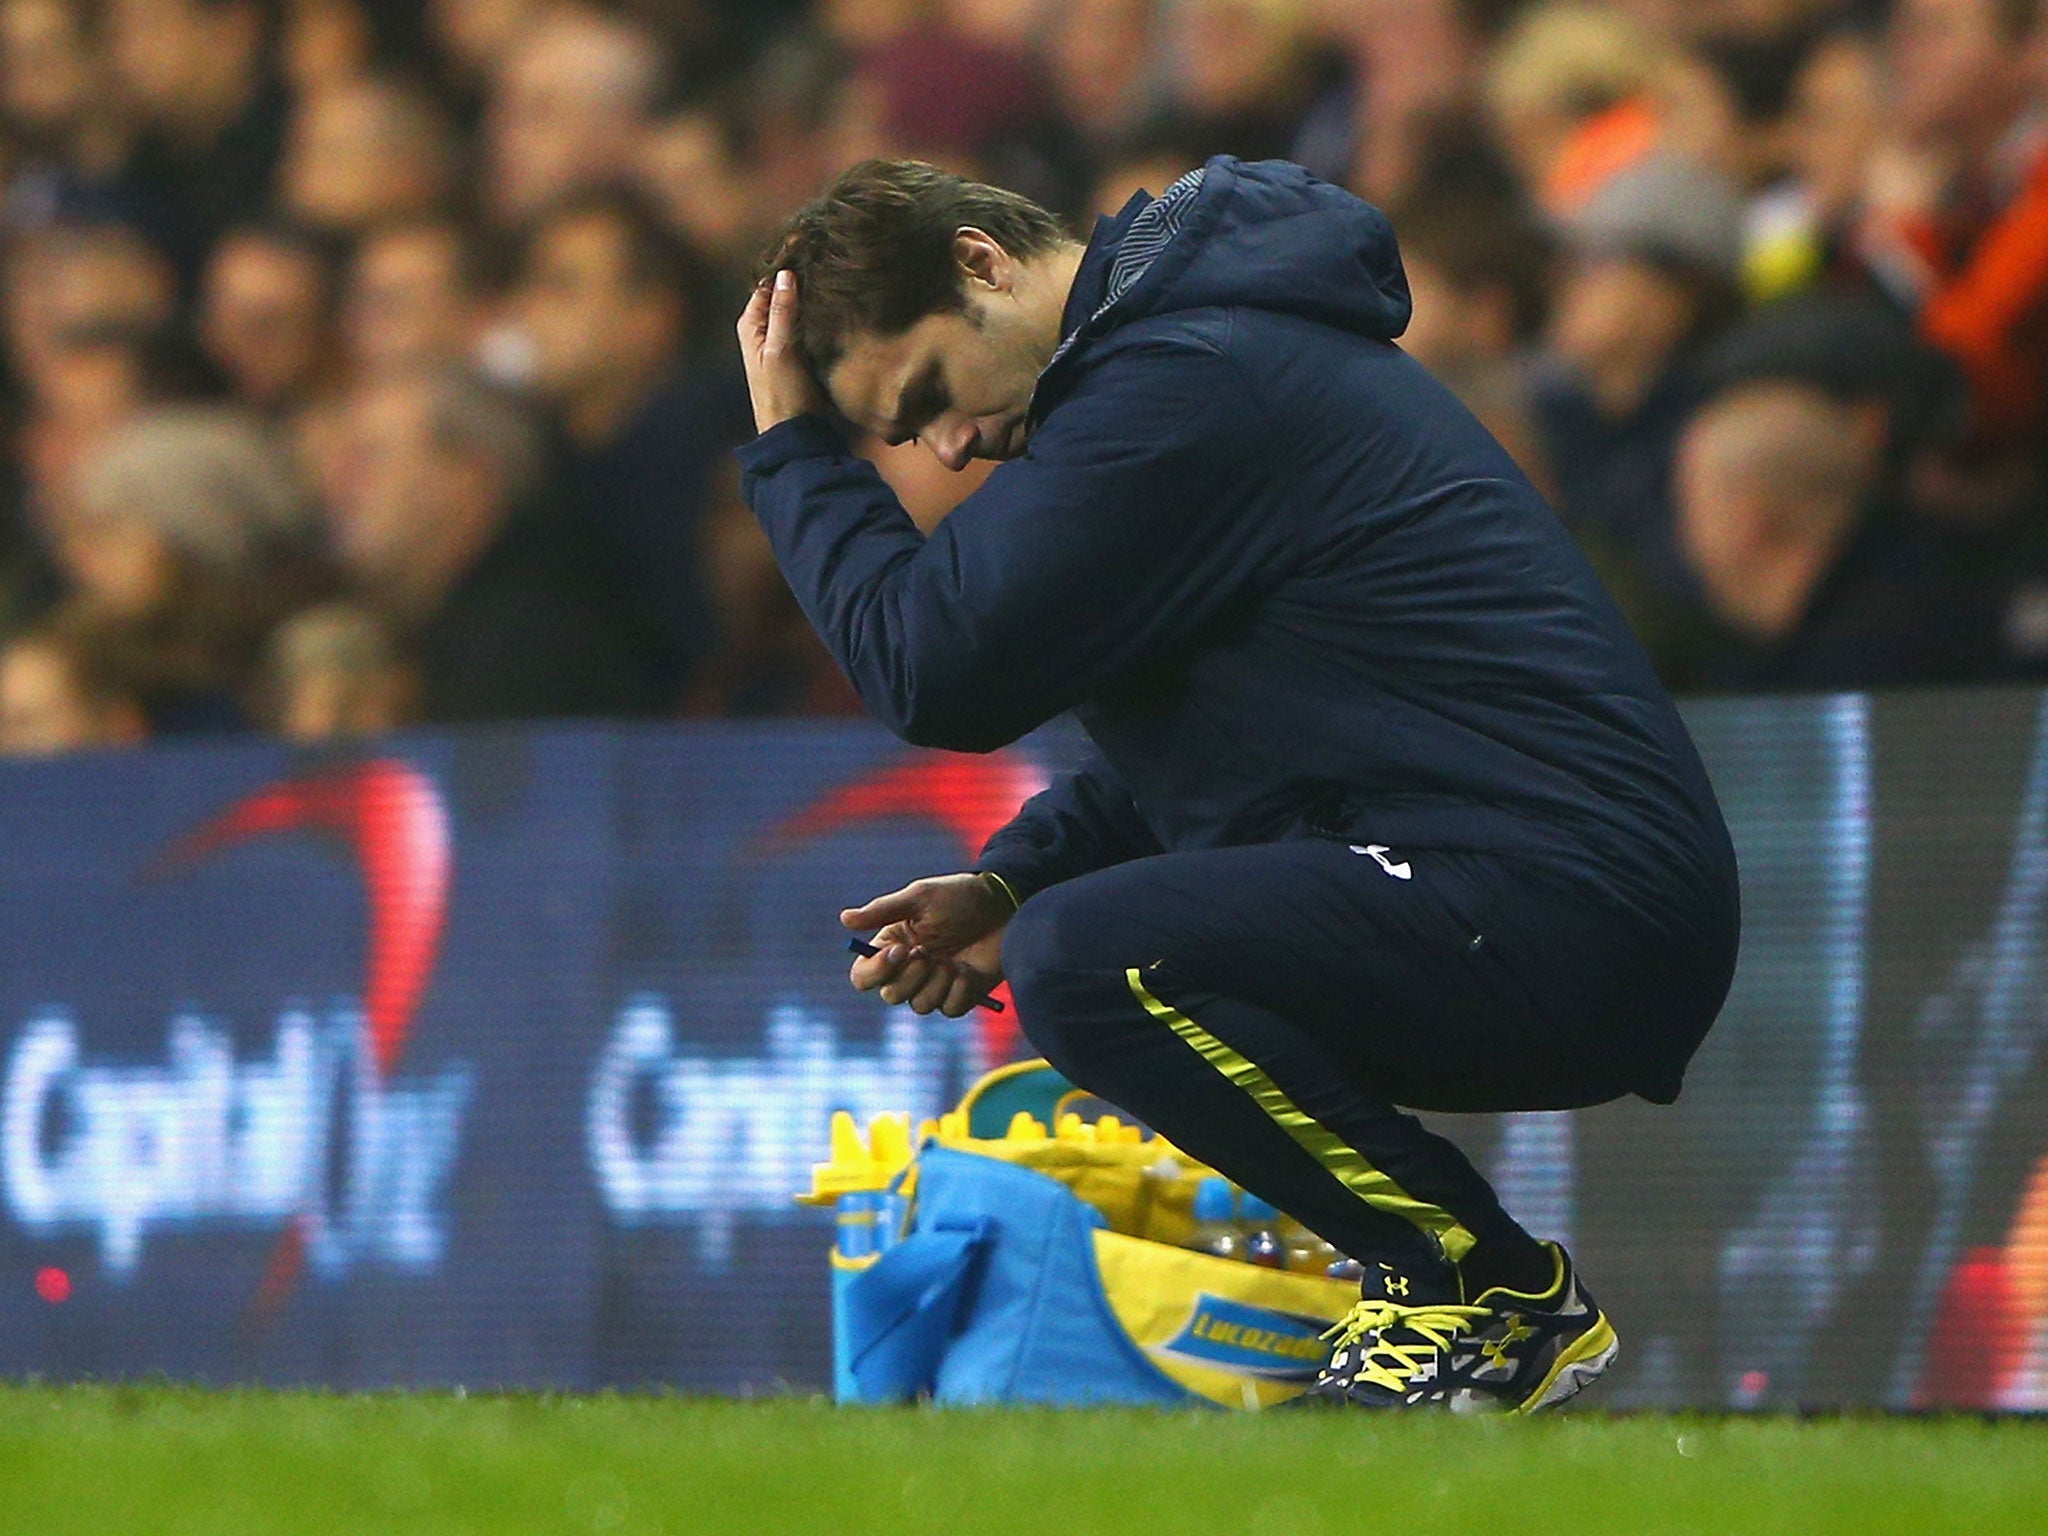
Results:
1379 852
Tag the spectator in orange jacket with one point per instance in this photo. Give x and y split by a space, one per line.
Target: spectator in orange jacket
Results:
1956 202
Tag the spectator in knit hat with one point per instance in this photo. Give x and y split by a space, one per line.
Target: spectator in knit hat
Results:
1856 348
1809 580
1649 272
187 537
1891 395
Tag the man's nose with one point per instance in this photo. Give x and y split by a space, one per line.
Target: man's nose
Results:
952 441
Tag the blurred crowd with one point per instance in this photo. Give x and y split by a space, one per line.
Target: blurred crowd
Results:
370 362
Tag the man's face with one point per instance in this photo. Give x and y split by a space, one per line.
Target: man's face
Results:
478 32
582 309
960 383
123 566
1455 324
262 319
1610 310
384 517
410 510
1838 113
42 707
89 282
45 69
356 156
557 119
160 48
407 300
1950 66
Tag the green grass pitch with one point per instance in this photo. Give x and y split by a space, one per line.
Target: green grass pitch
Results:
168 1460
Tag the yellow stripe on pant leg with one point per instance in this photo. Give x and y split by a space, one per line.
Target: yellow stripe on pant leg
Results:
1344 1163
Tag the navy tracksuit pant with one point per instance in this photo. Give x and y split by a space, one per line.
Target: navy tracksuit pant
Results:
1267 1008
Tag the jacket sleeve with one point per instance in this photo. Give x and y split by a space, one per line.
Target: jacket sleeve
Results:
1984 310
1084 820
1121 532
1988 315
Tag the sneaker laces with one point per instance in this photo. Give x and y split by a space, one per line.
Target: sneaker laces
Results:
1389 1362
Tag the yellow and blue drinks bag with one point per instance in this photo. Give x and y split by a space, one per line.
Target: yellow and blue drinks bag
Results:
1021 1252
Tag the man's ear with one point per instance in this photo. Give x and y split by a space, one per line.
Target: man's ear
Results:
982 261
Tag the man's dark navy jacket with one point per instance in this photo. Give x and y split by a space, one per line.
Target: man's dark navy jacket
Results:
1287 583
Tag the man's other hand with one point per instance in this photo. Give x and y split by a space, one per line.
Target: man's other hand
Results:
777 376
940 943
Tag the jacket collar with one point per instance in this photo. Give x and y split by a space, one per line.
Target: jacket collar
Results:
1091 282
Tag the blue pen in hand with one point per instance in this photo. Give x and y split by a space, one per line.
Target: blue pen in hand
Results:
863 947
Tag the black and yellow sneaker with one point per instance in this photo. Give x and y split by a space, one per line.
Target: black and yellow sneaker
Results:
1533 1350
1396 1347
1413 1341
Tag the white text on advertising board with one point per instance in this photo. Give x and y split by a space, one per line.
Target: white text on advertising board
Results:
126 1149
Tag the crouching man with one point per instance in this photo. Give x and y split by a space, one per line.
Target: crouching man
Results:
1384 806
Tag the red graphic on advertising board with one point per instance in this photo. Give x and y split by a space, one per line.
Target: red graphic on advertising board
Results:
1979 1340
1989 1344
971 797
389 816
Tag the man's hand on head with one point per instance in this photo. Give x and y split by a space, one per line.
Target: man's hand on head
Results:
777 376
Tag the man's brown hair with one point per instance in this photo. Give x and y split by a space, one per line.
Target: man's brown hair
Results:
874 253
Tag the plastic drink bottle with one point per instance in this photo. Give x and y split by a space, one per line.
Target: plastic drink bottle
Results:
1216 1230
1263 1244
1307 1254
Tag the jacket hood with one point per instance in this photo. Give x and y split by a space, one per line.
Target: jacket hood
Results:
1264 234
